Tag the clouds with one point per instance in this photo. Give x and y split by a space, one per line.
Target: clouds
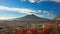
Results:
21 10
39 13
32 1
38 1
47 13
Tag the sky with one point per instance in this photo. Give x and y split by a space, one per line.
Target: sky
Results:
10 9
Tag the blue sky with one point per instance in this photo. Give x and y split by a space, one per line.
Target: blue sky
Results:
18 8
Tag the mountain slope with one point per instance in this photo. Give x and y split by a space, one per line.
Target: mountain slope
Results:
31 18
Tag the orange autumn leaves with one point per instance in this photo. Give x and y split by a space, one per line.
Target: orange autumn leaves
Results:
34 31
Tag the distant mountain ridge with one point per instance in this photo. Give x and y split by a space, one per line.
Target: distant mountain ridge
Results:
31 18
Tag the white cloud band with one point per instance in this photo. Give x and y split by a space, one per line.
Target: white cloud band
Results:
21 10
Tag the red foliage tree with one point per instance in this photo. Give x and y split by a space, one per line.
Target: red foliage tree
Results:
32 31
44 31
35 31
22 31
